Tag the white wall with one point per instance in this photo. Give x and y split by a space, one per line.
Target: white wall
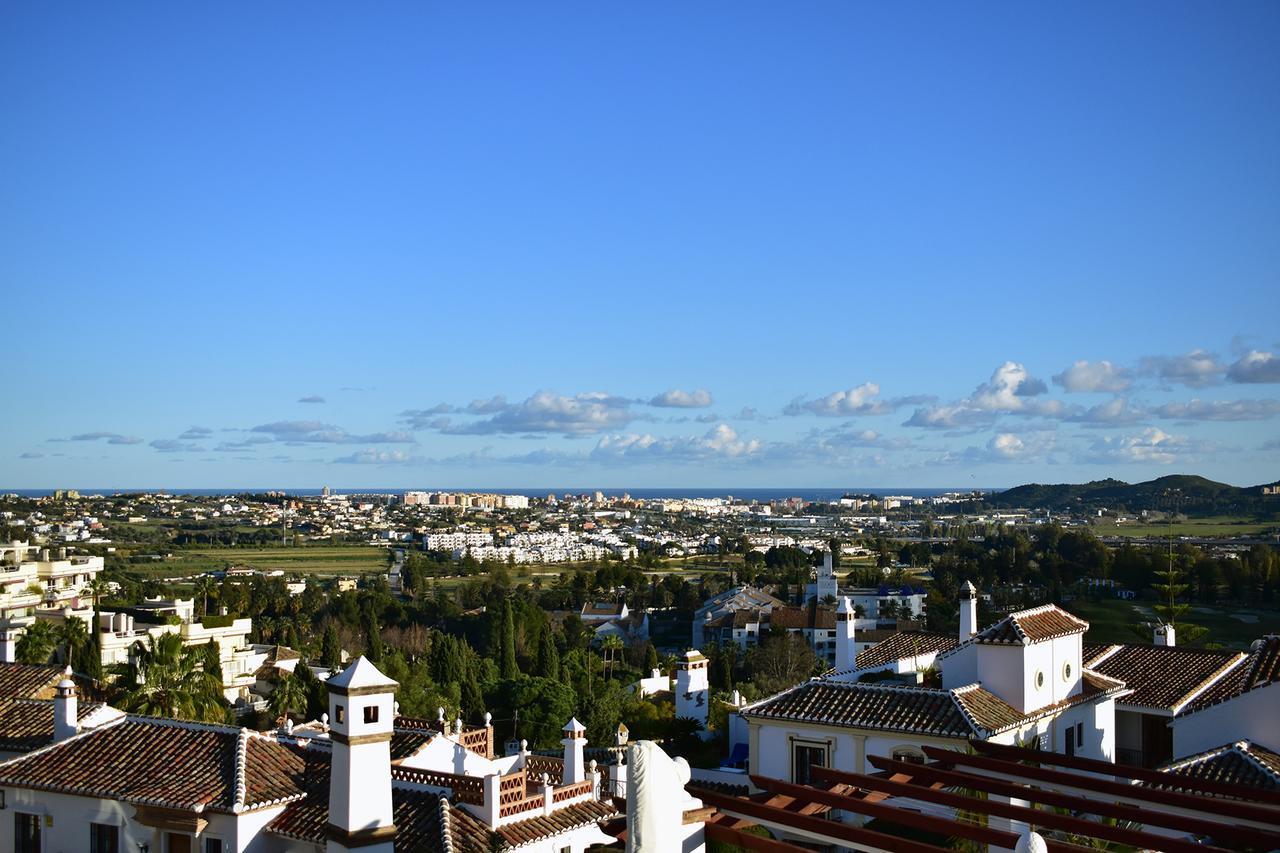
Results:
1254 716
71 816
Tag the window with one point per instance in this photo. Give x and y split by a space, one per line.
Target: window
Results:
909 754
104 838
1066 671
1039 679
26 832
371 713
805 756
212 845
1079 734
1070 743
339 714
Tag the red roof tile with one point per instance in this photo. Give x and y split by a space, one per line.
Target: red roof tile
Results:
905 644
1036 625
1240 763
203 766
1163 677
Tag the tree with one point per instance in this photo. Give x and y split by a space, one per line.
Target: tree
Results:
650 658
166 679
36 643
330 649
372 636
73 636
289 695
205 587
548 656
610 647
781 661
509 668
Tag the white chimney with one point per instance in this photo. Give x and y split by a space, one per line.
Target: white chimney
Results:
1164 635
968 611
361 714
575 741
846 648
66 714
8 642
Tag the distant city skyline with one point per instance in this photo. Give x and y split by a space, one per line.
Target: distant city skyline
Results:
663 247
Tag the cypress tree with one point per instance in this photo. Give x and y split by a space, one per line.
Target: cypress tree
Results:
548 656
330 650
508 666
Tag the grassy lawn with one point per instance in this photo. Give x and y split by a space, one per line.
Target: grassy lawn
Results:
1231 627
306 559
1210 526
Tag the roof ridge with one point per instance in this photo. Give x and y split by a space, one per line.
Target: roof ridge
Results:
242 759
190 725
1110 650
964 712
446 831
1245 748
1214 677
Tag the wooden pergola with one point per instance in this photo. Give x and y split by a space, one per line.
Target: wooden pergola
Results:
1003 792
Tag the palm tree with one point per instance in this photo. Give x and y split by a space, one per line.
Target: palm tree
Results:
37 642
289 695
73 636
204 588
611 646
166 679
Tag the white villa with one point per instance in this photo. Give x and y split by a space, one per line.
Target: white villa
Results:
1019 680
363 779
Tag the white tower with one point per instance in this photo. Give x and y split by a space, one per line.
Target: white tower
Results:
1164 635
66 715
846 648
692 688
575 741
824 586
361 716
968 611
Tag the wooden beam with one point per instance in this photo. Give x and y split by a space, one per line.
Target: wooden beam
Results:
893 814
827 829
1142 774
1033 817
1221 832
1120 790
747 841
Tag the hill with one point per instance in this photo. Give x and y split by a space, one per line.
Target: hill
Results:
1185 493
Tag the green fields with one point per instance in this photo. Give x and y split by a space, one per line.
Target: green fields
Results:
305 559
1231 627
1195 527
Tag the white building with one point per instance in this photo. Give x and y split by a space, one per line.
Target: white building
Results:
361 780
35 580
1019 680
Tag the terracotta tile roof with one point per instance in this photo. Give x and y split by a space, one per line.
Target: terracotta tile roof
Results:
905 644
1163 677
1046 622
811 616
425 821
406 742
27 724
28 681
601 608
1240 763
995 715
205 766
1260 668
870 706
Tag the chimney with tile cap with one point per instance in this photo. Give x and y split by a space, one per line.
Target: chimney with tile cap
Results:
66 713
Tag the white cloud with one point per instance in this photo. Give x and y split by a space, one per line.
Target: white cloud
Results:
1255 366
1220 410
371 456
861 400
720 442
1196 368
315 432
1150 445
170 445
1115 412
546 412
196 432
1010 390
311 398
111 437
1084 376
677 399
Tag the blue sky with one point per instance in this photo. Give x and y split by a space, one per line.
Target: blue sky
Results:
739 244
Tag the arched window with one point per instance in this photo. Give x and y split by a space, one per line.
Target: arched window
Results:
909 754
